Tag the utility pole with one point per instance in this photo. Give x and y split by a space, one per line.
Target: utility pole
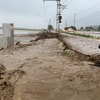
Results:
74 19
58 15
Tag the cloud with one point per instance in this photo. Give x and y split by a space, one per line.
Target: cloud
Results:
30 13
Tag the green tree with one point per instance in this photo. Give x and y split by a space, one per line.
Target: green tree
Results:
66 28
82 28
73 27
89 28
50 27
99 28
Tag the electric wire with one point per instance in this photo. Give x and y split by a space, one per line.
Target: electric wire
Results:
64 1
91 15
86 10
66 4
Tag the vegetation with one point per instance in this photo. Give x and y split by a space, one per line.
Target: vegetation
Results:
73 27
66 28
89 28
82 28
99 28
82 35
50 27
65 53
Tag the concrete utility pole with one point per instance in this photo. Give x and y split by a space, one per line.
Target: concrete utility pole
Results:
58 16
74 19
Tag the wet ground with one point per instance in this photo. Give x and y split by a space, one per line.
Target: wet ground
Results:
51 73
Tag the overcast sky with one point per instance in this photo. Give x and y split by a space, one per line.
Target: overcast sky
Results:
30 13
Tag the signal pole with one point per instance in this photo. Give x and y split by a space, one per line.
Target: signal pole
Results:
58 16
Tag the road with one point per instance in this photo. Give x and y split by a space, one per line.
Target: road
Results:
21 31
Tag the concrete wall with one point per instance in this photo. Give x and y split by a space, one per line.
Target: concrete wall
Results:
7 40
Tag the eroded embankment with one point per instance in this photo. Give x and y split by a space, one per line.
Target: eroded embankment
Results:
7 81
75 53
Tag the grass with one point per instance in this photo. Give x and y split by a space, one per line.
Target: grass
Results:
82 35
65 53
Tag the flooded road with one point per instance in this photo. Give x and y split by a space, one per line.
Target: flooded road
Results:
21 31
49 74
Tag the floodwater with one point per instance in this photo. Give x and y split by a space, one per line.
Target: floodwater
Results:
49 75
21 31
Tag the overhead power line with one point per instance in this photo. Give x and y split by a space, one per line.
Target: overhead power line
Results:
93 14
66 4
86 10
64 1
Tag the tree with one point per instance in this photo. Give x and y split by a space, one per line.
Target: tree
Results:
50 27
99 28
66 28
82 28
73 27
89 28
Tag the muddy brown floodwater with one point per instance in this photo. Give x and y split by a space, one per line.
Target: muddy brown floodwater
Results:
49 73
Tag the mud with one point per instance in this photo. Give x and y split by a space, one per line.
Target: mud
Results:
53 76
80 56
7 81
47 70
